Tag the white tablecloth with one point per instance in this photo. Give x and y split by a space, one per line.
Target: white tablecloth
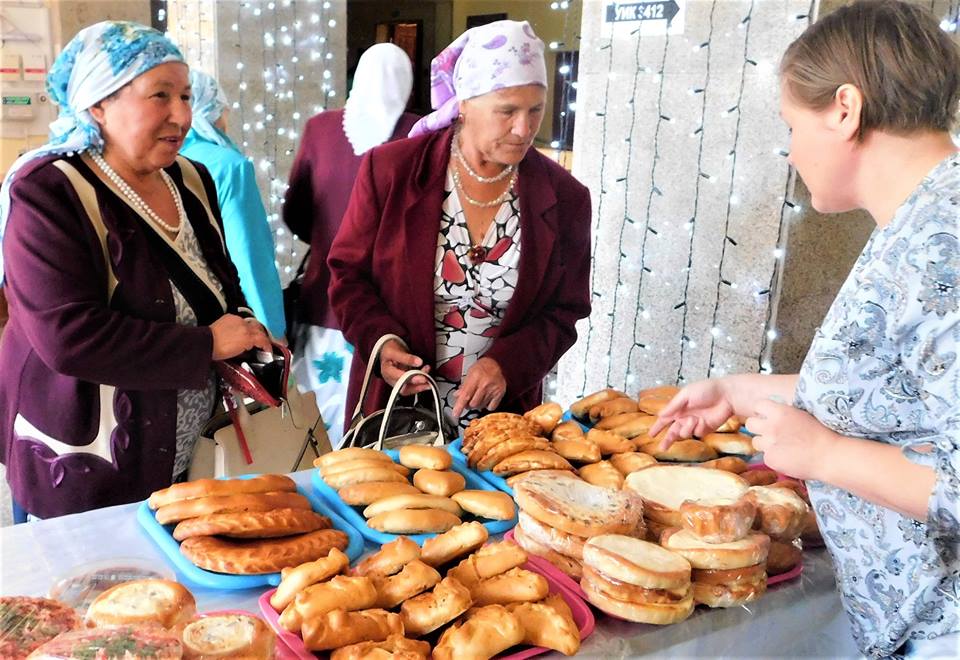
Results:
802 618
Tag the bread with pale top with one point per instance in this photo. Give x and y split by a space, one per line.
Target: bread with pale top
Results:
781 513
416 457
137 602
621 590
636 562
367 493
664 488
582 407
568 503
748 551
228 636
346 466
350 454
730 443
570 566
546 416
439 482
632 461
489 504
531 459
418 501
580 450
602 474
718 520
555 539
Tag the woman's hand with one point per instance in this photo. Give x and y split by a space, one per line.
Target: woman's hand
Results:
793 442
697 409
395 360
232 335
483 387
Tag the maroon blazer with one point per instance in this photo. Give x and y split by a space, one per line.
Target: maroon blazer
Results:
382 265
319 188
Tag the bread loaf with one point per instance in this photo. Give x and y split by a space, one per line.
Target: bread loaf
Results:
163 602
427 612
252 524
580 450
253 557
564 543
296 579
204 506
415 578
339 628
490 560
632 461
602 474
189 490
413 521
610 442
730 443
534 459
228 636
781 513
350 454
395 647
367 493
718 520
389 559
548 624
419 501
747 551
489 504
655 613
515 586
487 632
581 408
416 457
455 542
636 562
439 482
546 416
665 487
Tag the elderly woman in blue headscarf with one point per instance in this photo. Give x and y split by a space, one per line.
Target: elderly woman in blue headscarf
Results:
120 289
246 230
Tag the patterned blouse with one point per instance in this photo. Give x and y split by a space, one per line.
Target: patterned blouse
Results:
884 366
470 298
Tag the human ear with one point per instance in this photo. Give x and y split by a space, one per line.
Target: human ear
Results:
847 107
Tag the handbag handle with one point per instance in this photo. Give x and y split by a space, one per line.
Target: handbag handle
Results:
395 394
374 357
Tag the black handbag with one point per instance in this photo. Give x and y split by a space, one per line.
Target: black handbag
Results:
292 311
404 421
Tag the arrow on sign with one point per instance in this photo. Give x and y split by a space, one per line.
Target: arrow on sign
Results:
659 10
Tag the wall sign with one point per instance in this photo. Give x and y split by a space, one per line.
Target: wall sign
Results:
654 16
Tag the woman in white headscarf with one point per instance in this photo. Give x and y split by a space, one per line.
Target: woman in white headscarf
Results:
320 183
245 226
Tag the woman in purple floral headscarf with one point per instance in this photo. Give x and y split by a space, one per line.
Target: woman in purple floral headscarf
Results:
465 242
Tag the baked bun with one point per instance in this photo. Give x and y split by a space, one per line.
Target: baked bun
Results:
252 524
732 425
416 457
515 586
350 454
548 624
189 490
620 590
439 482
665 487
485 633
496 421
810 534
413 521
730 575
567 431
359 464
729 595
489 504
453 543
580 450
228 636
760 477
533 459
419 501
653 401
254 557
783 557
746 552
373 491
339 628
733 464
602 474
204 506
488 561
581 408
655 613
632 461
612 407
296 579
163 602
415 578
627 425
546 416
427 612
781 513
395 647
718 520
568 544
636 562
508 448
730 443
570 504
389 559
570 566
684 451
610 442
386 472
341 592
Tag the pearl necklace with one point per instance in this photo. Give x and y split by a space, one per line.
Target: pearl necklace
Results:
134 197
504 196
455 150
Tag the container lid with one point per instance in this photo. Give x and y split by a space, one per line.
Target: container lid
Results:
79 586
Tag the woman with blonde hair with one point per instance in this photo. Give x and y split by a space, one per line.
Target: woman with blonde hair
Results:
870 93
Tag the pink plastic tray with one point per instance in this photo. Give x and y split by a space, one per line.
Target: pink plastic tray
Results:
283 651
559 583
568 583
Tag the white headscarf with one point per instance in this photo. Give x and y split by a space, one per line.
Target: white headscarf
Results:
208 102
381 88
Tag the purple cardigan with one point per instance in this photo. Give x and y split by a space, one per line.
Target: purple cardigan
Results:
320 183
383 260
65 342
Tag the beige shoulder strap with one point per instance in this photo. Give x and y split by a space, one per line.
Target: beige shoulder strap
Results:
193 182
88 198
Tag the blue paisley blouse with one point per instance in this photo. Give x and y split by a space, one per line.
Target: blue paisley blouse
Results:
883 366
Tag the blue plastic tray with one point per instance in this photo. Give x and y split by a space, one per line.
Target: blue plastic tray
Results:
163 537
354 515
459 458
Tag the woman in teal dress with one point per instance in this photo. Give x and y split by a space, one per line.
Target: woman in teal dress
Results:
249 240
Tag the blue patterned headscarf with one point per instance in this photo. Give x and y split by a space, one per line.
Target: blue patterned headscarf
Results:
96 63
208 103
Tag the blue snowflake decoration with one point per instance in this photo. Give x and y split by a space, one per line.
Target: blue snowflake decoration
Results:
329 367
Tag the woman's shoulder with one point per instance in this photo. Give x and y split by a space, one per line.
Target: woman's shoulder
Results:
43 170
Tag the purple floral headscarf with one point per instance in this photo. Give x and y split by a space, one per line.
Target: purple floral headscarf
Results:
481 60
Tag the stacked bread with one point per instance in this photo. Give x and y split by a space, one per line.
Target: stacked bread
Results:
245 526
397 596
559 512
707 515
636 580
783 515
510 444
420 494
143 618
